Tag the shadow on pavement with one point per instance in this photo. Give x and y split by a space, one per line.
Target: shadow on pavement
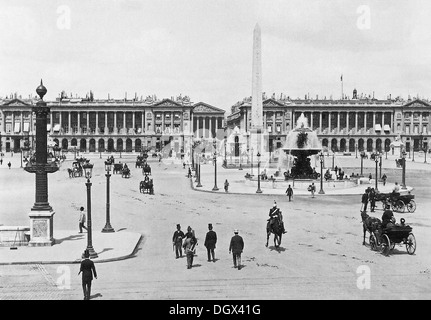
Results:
73 237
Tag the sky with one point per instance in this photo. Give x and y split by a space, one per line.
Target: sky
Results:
203 48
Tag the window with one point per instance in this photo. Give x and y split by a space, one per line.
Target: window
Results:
407 129
269 128
278 128
416 128
8 127
424 130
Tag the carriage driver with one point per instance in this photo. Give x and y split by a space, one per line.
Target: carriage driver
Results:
274 214
388 219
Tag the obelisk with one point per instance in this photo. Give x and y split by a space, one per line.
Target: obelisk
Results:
256 129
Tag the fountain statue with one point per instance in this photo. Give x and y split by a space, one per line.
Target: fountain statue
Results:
301 143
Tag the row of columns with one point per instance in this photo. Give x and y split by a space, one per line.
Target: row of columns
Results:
200 129
348 127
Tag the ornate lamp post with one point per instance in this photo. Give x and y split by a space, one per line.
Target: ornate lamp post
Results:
88 169
215 166
404 170
333 159
240 158
41 216
425 152
413 151
380 165
321 157
258 173
198 175
108 227
376 160
356 150
362 163
251 173
225 143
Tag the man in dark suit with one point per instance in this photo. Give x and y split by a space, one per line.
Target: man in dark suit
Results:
210 242
177 240
87 269
236 246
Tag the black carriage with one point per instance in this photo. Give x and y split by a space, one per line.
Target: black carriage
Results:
399 202
146 169
76 170
385 239
125 173
118 168
146 186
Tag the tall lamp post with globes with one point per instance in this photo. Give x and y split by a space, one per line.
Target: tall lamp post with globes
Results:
215 165
88 169
376 160
258 173
404 153
321 158
108 227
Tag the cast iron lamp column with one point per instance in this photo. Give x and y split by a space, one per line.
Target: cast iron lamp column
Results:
362 163
321 157
215 172
108 227
199 172
258 173
404 170
376 160
88 168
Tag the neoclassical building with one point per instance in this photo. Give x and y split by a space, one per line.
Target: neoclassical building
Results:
112 125
342 125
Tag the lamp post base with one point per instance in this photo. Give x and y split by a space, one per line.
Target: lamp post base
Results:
215 189
93 254
321 192
258 191
198 185
108 228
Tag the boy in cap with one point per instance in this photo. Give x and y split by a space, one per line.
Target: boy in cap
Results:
189 248
82 220
210 243
177 240
236 247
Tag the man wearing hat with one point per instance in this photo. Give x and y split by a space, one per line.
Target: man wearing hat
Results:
236 246
87 269
210 243
177 240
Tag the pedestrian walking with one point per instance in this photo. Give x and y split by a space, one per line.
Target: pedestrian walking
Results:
364 200
82 220
384 178
312 189
1 162
9 164
88 270
177 241
289 192
189 248
236 247
226 186
210 243
372 199
189 174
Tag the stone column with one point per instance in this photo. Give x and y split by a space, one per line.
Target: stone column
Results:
97 123
69 120
356 121
88 123
347 120
329 121
61 121
115 122
338 121
365 121
321 121
106 125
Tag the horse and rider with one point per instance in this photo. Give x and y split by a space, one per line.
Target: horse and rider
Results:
275 225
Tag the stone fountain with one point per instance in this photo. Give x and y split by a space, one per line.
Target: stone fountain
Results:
301 143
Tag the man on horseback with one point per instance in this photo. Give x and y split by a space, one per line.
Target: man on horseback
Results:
275 215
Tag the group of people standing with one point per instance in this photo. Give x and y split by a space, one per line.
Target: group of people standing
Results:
189 245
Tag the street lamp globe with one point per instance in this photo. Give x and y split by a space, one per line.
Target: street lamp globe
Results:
108 166
88 170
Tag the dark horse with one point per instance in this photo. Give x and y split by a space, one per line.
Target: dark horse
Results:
277 230
369 224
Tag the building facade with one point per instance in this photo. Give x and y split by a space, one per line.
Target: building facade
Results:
348 125
111 125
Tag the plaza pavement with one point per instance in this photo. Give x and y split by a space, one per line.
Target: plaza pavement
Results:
69 244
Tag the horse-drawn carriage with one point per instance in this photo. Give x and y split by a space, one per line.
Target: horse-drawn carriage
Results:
76 170
146 169
146 186
118 168
399 202
125 173
385 239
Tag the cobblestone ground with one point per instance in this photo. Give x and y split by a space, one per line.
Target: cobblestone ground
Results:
321 255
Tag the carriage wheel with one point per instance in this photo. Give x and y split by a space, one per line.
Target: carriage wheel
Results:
411 206
411 244
399 206
385 245
373 242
